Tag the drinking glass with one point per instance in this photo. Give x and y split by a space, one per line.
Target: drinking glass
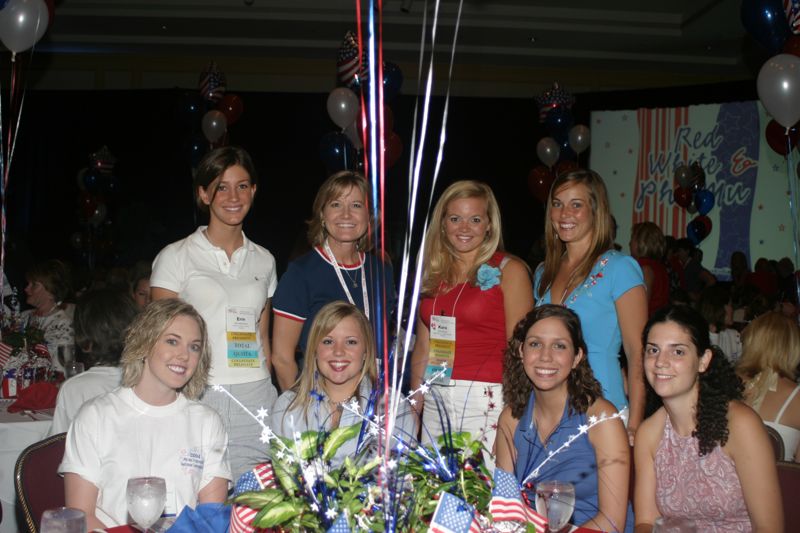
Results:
65 354
63 520
73 368
674 524
146 499
555 500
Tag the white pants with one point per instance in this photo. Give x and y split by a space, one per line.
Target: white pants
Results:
472 406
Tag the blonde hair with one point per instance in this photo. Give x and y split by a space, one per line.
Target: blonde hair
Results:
144 332
440 257
770 344
649 239
326 320
335 186
601 224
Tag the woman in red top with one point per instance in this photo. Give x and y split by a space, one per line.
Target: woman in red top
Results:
473 295
648 246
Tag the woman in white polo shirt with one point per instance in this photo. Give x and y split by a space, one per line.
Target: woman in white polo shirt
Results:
230 281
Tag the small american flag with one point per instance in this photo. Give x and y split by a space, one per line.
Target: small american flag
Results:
212 83
340 525
506 504
347 67
259 478
453 515
792 9
552 98
5 353
242 519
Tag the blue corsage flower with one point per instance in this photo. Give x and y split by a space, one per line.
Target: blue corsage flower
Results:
488 277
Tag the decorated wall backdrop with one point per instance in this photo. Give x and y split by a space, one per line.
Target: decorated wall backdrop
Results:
637 152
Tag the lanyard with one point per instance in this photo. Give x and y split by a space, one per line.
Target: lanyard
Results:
338 270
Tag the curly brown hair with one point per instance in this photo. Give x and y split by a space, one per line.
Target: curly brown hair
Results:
719 384
582 387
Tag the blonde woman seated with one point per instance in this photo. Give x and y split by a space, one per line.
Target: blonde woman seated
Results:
703 455
340 365
151 425
771 353
550 393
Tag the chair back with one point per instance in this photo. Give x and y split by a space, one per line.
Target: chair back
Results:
36 480
777 442
789 481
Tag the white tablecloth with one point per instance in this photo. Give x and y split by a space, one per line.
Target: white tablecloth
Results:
17 432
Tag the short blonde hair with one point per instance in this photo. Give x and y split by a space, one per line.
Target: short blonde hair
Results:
144 332
440 257
771 341
335 186
326 320
649 240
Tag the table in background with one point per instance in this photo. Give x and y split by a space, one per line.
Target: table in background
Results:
17 432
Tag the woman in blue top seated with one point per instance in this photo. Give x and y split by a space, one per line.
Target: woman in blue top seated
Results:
551 395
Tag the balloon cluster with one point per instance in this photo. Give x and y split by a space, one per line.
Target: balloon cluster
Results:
565 142
692 195
97 184
24 22
340 150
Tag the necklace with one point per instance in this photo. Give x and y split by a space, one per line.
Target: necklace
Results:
353 281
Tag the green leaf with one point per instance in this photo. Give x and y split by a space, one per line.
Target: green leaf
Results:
259 500
285 475
278 514
369 467
338 437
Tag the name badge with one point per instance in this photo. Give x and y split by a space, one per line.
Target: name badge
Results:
241 336
441 350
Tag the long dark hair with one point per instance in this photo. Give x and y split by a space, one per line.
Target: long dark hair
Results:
719 384
582 387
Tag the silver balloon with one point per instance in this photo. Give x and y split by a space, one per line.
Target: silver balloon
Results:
548 151
99 215
352 133
23 23
580 138
779 88
343 106
214 125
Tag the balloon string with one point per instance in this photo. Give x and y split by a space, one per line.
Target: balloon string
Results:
791 174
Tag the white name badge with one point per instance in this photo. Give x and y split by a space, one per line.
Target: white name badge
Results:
241 337
441 350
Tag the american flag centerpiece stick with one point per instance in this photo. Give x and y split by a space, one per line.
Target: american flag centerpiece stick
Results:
555 96
348 71
212 83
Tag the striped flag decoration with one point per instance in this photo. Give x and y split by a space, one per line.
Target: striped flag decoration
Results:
259 478
242 519
212 83
506 504
347 67
453 515
5 353
792 10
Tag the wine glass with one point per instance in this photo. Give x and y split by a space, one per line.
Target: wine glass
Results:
146 499
63 520
674 524
555 500
73 368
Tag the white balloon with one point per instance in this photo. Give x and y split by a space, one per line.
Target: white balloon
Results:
343 106
779 88
214 125
548 151
352 133
23 23
580 138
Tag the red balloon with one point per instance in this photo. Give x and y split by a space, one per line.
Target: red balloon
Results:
792 45
683 196
388 118
539 181
51 12
776 137
393 149
706 222
566 165
232 107
87 204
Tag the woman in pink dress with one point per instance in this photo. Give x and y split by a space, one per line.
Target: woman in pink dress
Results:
704 455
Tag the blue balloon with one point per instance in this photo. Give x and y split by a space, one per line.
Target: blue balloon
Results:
567 153
559 121
765 21
337 152
392 80
198 148
694 231
703 201
93 180
3 3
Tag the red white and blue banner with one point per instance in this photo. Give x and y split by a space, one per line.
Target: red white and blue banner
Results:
637 152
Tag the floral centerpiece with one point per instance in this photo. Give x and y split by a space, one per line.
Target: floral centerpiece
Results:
24 357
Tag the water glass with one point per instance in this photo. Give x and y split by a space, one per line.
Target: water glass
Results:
63 520
65 354
555 500
73 368
674 524
146 498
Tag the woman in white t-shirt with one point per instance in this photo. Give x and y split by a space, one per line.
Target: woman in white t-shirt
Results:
152 425
230 281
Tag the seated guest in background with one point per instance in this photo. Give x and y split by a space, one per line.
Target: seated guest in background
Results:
152 425
48 287
550 392
339 365
139 278
696 277
768 367
101 318
648 246
717 309
703 455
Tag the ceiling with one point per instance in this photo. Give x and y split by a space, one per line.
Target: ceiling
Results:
505 47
